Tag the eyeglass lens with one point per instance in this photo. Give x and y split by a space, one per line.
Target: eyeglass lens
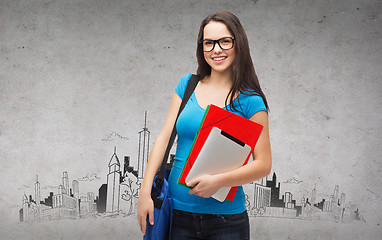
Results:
224 43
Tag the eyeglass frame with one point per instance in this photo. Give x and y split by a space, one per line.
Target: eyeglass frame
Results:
217 41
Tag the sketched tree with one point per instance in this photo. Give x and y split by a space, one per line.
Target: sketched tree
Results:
132 190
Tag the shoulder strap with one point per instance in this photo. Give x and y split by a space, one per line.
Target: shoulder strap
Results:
187 94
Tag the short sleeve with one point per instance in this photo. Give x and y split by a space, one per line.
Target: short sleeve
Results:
182 84
252 104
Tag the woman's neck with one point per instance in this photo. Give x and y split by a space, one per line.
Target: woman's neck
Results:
223 79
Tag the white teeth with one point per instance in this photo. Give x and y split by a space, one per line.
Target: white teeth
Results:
219 58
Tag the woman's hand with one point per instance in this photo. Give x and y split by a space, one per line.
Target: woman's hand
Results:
145 207
204 186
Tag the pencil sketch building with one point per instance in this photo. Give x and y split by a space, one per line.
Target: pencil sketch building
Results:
119 187
113 181
88 205
143 151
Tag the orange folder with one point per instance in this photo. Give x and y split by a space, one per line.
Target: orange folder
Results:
239 127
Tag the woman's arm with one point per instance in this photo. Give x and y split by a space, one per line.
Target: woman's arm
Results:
145 203
207 185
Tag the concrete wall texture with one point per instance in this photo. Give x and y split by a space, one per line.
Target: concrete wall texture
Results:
77 76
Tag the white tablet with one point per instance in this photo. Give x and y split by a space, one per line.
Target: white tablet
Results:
220 153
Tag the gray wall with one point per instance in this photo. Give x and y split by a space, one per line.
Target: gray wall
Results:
76 78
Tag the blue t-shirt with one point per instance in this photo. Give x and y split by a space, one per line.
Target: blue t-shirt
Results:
187 126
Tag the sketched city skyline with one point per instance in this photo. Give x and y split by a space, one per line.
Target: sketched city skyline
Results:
118 196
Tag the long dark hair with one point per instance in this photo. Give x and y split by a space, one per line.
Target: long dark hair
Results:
244 75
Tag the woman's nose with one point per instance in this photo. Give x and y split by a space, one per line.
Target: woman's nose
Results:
217 48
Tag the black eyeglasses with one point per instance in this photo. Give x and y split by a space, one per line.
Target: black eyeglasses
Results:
224 43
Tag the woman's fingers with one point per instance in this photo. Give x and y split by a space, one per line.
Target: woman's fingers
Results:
145 211
151 216
142 223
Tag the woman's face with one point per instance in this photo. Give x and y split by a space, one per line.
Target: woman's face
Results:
219 59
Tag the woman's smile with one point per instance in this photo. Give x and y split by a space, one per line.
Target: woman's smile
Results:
219 59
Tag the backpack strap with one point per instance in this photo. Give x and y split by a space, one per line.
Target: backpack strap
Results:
187 94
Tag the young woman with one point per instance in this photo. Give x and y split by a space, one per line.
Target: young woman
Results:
228 80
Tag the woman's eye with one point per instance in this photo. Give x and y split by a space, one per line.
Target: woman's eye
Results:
207 43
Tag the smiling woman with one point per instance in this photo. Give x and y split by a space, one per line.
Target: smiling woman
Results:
228 80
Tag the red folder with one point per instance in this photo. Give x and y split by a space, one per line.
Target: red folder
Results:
239 127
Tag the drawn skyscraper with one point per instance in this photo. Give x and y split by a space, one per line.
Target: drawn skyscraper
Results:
76 189
76 195
113 178
65 183
25 208
143 151
37 191
314 194
102 193
275 192
262 196
288 200
342 200
329 203
336 192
